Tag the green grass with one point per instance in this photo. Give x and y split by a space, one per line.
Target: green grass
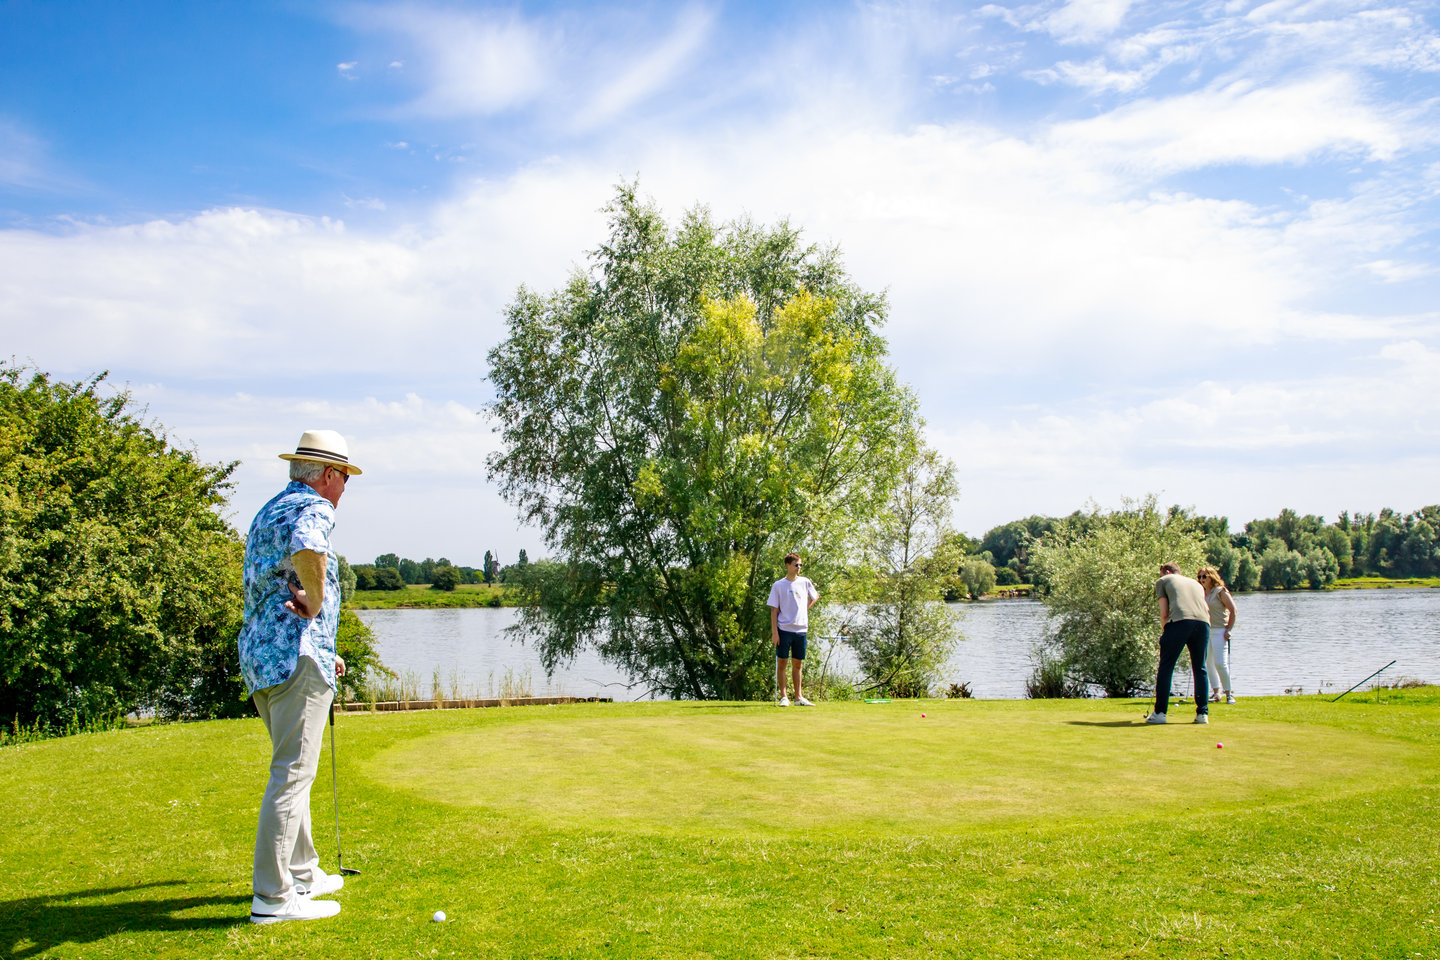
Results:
420 596
1384 583
990 829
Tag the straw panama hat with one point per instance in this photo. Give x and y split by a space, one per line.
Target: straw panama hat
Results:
324 446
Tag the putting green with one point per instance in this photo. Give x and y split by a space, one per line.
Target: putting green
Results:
877 768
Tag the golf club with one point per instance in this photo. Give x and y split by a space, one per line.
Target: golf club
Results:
335 789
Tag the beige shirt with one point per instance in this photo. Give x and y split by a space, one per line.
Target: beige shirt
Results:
1186 596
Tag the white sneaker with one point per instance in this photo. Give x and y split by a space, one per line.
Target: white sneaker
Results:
296 908
784 701
1229 698
802 702
1155 718
321 884
1202 718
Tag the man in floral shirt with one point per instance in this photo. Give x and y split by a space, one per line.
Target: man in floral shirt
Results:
288 658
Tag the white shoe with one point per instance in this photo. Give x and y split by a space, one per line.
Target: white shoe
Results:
1155 718
1202 718
784 701
296 908
1229 698
802 702
321 884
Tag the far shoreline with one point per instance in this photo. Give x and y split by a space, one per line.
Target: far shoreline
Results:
478 596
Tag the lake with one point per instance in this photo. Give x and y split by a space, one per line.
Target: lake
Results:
1282 641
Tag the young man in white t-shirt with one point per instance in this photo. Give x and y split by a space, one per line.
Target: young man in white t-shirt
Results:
790 601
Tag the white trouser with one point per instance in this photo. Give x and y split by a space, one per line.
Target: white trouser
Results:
294 713
1218 663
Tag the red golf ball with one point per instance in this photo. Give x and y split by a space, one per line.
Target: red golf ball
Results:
1219 746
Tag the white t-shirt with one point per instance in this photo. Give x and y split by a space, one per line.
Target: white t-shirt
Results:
792 599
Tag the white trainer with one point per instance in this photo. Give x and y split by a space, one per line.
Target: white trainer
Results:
296 908
784 701
1202 718
1229 698
321 884
1155 718
802 702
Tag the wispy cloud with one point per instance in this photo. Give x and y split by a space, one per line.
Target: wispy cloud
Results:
25 160
1240 123
654 70
470 65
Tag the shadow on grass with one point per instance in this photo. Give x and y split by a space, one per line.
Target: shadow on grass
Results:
35 925
1106 723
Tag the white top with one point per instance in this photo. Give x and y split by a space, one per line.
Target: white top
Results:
792 598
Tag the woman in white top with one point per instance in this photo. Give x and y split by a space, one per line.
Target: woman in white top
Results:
1222 621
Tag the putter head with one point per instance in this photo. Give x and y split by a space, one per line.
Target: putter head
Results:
349 872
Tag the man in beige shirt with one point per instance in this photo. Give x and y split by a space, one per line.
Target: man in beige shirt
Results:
1185 619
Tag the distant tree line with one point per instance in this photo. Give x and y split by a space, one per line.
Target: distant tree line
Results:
393 572
1286 552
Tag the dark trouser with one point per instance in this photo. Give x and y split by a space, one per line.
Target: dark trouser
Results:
1192 635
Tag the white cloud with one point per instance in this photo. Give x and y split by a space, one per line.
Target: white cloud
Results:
25 161
424 490
1228 447
347 70
365 203
471 65
654 70
1081 21
1238 123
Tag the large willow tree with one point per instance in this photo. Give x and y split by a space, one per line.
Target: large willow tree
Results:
700 401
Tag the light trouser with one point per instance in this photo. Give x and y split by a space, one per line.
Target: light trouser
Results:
294 713
1218 663
1192 635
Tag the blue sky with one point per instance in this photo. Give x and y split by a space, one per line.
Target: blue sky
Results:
1181 248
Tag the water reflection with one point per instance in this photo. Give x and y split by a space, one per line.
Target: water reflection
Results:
1324 641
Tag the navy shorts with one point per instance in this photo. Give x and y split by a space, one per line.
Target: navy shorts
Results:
791 646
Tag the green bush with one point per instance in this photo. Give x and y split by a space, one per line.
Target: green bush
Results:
1100 591
119 577
388 578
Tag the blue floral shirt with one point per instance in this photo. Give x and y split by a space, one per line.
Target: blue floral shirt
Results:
273 639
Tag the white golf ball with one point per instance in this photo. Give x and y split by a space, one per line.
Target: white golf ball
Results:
439 916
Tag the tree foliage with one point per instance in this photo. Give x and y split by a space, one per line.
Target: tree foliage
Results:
978 576
1099 591
119 579
903 633
701 401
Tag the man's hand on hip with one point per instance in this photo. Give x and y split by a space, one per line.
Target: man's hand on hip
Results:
300 606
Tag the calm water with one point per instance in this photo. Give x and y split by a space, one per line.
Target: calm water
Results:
1281 641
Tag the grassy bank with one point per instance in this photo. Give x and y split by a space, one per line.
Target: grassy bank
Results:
421 597
985 829
1384 583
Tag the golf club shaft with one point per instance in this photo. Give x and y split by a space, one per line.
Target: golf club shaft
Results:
335 792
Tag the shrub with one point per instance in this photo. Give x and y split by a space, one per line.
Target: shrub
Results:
445 578
119 576
1049 681
388 578
1101 596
